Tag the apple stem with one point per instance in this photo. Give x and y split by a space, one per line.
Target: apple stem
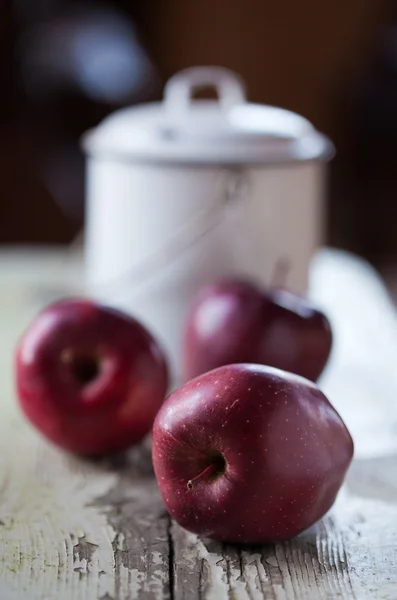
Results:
280 272
208 471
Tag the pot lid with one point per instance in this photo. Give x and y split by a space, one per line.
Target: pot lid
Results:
227 131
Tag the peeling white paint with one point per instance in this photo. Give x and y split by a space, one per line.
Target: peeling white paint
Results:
157 558
45 510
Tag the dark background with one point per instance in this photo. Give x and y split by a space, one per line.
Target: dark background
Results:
335 62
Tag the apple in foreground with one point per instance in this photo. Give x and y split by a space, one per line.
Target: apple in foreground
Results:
91 379
237 322
249 454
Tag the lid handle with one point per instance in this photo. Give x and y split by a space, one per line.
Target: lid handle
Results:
182 86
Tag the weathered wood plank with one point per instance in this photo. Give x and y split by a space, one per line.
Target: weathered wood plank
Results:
352 553
99 531
53 544
134 509
71 529
75 530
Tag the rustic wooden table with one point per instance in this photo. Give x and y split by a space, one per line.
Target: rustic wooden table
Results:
75 530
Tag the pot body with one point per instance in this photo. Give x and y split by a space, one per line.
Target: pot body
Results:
157 232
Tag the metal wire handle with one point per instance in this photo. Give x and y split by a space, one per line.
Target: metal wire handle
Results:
188 236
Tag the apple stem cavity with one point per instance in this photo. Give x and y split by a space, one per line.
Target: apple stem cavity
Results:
214 470
85 368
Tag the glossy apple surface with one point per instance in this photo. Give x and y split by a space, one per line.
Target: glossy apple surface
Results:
236 322
249 454
89 378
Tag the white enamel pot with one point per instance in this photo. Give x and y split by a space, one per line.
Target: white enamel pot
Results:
183 192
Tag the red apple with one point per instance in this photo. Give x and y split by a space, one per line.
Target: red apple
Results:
236 322
90 378
250 454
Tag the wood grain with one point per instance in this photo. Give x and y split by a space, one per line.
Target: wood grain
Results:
79 530
337 558
141 548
